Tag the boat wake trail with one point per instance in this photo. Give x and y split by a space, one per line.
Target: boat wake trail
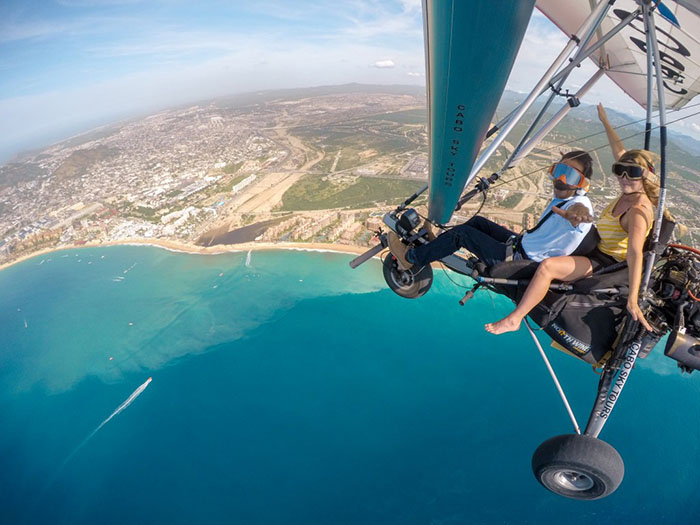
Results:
136 393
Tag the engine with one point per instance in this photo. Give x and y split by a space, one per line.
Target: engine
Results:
677 291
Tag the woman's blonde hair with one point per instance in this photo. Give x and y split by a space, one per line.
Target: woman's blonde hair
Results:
650 181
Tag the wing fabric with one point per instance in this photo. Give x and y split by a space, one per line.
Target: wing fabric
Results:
470 50
625 53
690 5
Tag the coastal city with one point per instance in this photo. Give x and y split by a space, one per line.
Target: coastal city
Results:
303 166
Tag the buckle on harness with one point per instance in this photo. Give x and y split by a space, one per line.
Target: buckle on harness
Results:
513 247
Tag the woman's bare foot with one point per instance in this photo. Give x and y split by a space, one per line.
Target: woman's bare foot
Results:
507 324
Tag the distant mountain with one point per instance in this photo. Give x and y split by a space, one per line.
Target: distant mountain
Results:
257 97
632 127
79 162
684 141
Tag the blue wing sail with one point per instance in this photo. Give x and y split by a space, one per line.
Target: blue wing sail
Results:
470 50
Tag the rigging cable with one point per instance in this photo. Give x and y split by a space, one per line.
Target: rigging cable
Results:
589 151
543 150
447 229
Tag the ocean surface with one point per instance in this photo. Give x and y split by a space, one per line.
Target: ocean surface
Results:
289 389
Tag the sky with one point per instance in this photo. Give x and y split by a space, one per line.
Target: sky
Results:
70 65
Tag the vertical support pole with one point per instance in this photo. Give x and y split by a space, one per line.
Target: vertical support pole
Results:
615 375
650 78
617 372
662 140
588 27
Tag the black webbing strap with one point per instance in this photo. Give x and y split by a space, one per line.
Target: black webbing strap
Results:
514 244
543 219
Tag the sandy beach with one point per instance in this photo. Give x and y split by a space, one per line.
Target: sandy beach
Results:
213 250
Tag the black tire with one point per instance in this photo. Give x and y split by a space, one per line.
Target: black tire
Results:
578 467
411 283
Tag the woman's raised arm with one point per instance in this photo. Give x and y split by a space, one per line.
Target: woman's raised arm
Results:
616 144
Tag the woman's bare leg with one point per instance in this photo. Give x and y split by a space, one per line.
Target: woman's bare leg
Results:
565 268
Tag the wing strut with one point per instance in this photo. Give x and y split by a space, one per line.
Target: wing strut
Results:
555 89
588 27
554 377
522 152
574 64
650 81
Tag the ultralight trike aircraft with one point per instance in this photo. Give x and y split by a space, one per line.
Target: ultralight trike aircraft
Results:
650 49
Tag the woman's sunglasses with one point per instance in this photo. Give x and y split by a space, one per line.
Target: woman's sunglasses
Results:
567 174
631 171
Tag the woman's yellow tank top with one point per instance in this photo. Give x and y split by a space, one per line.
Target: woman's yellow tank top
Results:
613 239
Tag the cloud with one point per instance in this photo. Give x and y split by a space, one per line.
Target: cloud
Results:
250 63
24 31
695 127
414 74
168 43
96 3
384 64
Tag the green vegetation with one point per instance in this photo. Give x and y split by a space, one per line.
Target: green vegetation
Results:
383 133
409 116
314 193
349 159
363 237
91 136
142 212
15 173
228 187
210 191
325 164
232 168
80 161
511 201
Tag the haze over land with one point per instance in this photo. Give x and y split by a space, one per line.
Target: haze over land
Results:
71 65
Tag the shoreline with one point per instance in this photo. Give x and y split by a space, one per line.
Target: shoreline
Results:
181 247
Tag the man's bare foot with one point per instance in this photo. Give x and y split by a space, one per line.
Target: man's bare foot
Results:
507 324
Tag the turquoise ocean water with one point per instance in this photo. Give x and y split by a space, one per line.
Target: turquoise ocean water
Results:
294 390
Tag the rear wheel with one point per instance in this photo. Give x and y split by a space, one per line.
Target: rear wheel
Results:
578 466
411 283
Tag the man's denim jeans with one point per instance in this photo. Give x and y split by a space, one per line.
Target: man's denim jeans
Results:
482 237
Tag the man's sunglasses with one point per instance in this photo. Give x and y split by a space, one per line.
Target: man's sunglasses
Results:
567 174
631 171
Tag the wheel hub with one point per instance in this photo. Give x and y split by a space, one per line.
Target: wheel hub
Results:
402 278
573 480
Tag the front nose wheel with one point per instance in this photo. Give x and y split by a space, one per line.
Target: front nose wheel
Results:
578 467
407 283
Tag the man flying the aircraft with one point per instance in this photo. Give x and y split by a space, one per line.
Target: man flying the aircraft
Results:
562 227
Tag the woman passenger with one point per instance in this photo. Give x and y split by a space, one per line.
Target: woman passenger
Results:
623 228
